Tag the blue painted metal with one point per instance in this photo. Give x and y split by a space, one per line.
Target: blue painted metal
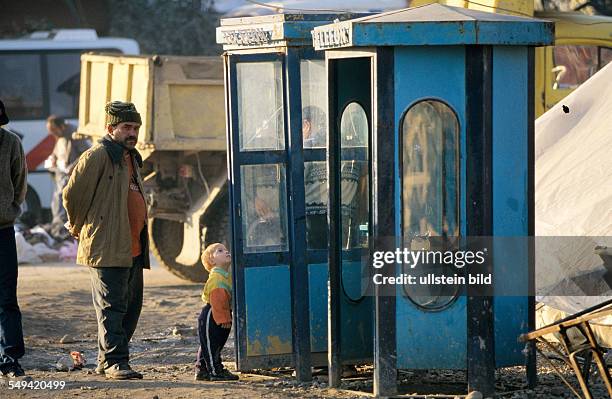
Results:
268 316
260 157
430 339
510 198
356 313
449 33
510 201
318 306
479 213
300 297
434 25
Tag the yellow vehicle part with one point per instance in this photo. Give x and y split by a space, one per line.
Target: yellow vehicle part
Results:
180 99
583 45
512 7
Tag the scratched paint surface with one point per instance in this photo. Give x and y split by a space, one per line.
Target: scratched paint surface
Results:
437 340
317 275
431 339
268 310
510 199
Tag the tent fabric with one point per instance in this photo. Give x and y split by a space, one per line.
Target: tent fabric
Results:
573 198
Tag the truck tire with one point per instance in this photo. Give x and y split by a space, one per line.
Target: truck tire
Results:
166 237
216 220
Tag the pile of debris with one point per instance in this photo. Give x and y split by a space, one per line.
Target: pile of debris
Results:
44 243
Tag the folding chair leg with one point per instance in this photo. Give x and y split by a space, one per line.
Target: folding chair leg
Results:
586 367
584 386
599 359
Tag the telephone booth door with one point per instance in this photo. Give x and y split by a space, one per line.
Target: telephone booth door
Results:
351 311
260 209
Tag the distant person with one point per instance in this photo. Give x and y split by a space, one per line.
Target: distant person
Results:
13 178
215 320
65 155
106 209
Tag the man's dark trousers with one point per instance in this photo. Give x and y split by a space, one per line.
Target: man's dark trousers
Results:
11 333
117 298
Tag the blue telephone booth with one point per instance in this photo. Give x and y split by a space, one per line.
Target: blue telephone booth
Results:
276 100
432 109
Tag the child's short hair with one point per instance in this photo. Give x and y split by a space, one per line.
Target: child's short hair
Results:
207 255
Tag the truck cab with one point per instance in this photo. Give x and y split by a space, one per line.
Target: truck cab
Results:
40 76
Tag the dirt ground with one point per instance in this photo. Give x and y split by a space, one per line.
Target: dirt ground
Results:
56 304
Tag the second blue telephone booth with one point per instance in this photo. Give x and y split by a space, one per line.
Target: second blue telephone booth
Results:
276 99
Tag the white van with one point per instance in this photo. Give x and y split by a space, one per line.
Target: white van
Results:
40 76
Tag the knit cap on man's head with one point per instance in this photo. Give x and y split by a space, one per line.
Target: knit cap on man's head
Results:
119 111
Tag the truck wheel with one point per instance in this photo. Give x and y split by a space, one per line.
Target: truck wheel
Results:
166 238
216 221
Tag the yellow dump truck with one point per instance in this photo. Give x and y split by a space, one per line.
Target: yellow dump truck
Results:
182 141
583 45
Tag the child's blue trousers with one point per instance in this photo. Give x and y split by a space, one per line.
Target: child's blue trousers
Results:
212 339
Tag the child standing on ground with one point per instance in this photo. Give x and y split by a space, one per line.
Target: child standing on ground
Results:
215 320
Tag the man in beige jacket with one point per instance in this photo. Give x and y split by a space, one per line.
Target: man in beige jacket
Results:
106 208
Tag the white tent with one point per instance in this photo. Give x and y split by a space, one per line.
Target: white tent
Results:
573 169
573 197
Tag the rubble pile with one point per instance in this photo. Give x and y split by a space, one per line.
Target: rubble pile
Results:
44 243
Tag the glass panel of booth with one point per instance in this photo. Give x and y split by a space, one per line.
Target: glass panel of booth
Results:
354 200
260 106
316 197
314 101
430 192
264 208
314 135
354 187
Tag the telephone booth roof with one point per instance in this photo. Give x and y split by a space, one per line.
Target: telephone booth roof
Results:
434 24
278 30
